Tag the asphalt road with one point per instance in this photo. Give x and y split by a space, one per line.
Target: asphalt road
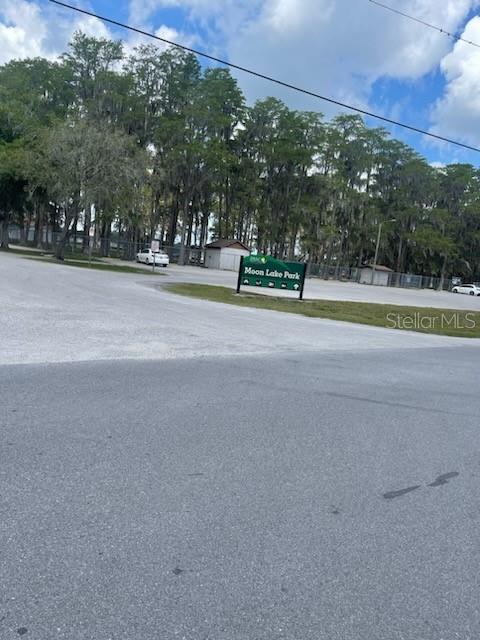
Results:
299 496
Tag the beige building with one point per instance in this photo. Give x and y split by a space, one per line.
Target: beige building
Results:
225 254
380 276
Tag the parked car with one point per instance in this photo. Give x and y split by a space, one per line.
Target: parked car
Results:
470 289
148 256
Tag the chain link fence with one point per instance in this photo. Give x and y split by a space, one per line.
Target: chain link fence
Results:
103 247
389 279
122 249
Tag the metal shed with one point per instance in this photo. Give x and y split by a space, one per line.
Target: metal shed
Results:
225 254
380 275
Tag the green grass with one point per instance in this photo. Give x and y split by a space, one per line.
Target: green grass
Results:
28 252
38 253
101 266
80 257
426 320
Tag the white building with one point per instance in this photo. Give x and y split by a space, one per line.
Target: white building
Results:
225 254
380 276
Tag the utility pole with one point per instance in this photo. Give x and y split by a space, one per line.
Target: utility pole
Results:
376 252
379 234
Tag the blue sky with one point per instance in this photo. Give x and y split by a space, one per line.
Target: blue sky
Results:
350 50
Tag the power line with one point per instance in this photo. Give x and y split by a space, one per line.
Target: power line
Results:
269 78
425 24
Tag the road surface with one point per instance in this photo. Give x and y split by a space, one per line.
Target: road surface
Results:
171 468
276 497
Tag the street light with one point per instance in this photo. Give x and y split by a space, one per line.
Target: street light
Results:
377 247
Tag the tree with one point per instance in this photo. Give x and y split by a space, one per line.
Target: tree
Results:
86 164
12 186
90 67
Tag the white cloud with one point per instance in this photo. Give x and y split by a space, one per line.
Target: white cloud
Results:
335 47
226 14
339 47
22 32
458 110
141 10
28 29
136 39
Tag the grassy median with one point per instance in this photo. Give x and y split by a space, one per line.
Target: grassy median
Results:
449 322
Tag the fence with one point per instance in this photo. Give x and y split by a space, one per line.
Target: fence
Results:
122 249
113 247
127 250
391 279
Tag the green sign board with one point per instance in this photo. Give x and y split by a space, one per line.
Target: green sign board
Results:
265 271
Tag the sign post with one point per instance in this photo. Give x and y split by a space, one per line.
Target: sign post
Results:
303 280
154 246
240 269
91 236
265 271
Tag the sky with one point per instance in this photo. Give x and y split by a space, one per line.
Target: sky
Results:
349 50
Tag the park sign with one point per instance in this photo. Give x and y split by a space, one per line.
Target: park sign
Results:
265 271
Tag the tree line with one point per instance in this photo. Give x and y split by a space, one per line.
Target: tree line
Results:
153 145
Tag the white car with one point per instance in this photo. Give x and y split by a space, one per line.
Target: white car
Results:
470 289
148 256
